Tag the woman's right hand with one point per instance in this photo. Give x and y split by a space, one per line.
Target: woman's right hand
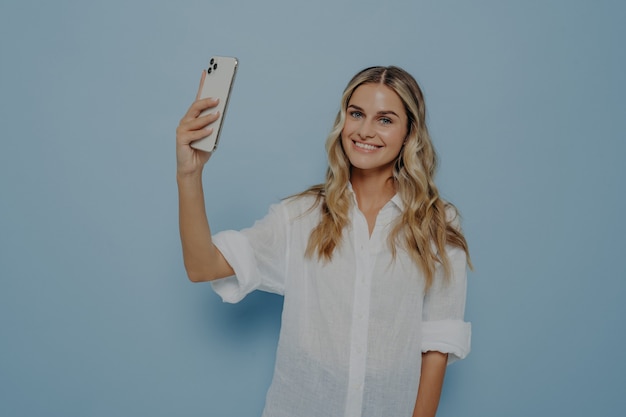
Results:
192 127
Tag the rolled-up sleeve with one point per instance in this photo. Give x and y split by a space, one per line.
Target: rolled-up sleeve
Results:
444 328
258 256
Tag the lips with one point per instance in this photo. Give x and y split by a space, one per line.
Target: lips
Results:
366 146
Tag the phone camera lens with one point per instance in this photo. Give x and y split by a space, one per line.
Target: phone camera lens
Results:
215 66
212 61
209 70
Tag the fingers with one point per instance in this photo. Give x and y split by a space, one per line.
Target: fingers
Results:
186 137
191 129
195 123
198 107
201 104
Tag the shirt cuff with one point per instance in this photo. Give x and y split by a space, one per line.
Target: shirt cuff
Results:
237 251
447 336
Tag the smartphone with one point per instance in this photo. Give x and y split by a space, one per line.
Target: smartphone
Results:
218 83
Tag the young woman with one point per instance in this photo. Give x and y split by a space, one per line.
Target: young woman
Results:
372 263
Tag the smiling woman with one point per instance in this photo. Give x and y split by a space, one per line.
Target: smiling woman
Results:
375 130
372 263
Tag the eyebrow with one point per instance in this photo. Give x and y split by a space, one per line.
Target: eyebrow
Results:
382 112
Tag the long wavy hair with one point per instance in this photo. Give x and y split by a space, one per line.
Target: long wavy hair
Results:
425 226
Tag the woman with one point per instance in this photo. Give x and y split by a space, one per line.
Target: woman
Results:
372 263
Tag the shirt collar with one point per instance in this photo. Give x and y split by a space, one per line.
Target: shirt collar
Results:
396 200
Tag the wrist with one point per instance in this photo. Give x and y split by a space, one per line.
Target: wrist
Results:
191 177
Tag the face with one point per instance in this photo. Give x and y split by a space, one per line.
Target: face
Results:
375 129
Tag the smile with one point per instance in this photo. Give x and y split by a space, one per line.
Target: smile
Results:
366 146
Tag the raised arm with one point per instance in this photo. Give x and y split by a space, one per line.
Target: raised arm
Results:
203 261
431 383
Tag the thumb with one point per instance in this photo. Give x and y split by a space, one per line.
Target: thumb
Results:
201 84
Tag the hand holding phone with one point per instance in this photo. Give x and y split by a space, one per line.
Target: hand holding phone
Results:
218 83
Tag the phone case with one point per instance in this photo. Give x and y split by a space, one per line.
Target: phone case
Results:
218 83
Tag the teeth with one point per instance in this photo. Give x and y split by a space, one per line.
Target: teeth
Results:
365 146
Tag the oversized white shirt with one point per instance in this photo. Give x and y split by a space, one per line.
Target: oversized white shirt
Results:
353 329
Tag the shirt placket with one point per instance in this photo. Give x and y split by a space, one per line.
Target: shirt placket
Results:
360 316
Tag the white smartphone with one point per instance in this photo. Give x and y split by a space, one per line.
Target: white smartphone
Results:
218 83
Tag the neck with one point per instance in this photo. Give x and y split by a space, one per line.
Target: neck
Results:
372 191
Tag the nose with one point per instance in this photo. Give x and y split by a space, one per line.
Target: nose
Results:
366 130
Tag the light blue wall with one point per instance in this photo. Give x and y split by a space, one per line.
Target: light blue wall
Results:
526 106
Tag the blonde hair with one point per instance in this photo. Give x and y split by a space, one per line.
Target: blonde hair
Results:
424 228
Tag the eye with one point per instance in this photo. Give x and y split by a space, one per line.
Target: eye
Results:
385 120
356 114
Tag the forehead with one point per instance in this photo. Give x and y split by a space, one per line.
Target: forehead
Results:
377 97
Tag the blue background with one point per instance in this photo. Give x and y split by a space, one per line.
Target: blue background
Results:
527 109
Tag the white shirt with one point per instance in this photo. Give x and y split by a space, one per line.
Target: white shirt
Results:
353 329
